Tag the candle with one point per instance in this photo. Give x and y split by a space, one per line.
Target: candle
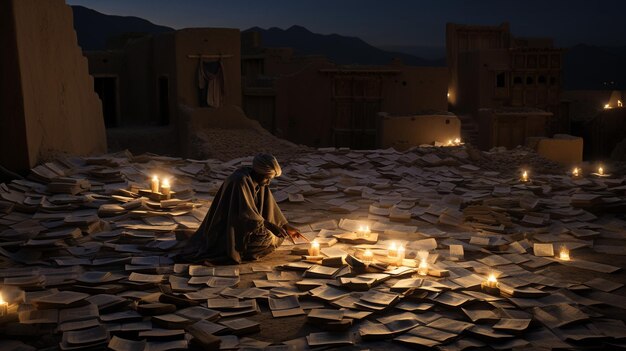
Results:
154 184
492 281
363 232
401 253
3 306
165 187
525 176
576 172
457 141
393 250
368 257
600 170
564 253
422 269
450 142
314 250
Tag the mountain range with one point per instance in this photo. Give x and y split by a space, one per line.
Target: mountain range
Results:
586 67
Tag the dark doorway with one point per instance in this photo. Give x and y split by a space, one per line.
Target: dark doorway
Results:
164 101
106 88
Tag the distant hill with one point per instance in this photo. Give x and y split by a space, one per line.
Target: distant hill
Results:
588 67
337 48
94 29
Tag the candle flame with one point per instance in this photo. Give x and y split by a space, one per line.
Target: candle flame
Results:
166 183
600 170
576 171
492 278
457 141
155 178
607 106
392 246
564 254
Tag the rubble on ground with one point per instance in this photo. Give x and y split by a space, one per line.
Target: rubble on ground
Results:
87 255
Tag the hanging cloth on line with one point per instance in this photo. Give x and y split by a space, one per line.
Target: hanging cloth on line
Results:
210 82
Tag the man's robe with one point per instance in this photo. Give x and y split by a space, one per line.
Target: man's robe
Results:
238 212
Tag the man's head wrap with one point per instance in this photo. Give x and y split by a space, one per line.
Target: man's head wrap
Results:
266 164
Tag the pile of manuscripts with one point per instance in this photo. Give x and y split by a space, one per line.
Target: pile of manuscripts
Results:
488 260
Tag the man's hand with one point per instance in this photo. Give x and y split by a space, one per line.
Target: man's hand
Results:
293 232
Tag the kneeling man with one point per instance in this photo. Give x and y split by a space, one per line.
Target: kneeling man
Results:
244 221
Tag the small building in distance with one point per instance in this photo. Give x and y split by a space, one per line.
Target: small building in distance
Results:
154 81
491 69
312 101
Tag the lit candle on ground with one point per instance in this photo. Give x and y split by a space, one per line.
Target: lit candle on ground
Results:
576 172
314 250
492 281
393 250
165 187
368 257
154 184
564 253
3 306
364 232
525 176
457 141
600 170
490 285
422 269
401 253
450 143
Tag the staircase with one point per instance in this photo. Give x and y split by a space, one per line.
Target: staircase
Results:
469 129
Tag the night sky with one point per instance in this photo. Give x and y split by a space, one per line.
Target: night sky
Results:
388 22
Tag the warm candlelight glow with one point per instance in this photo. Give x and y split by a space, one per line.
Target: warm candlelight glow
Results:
368 257
457 141
600 170
393 250
363 232
314 250
154 184
165 187
422 269
4 306
401 253
525 176
576 172
492 281
619 103
607 106
564 253
450 142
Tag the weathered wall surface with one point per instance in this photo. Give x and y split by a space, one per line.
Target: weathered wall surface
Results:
415 89
403 132
510 129
564 149
53 107
207 41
